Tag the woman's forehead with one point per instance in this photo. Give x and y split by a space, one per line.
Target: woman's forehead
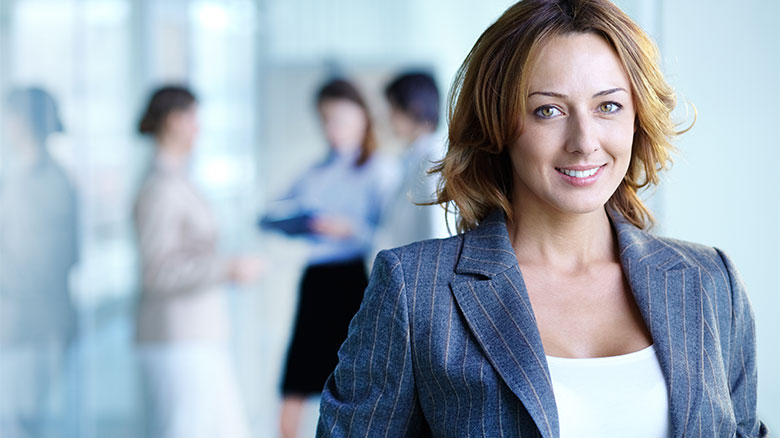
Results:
577 64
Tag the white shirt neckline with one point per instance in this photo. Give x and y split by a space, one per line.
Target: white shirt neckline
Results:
623 395
621 358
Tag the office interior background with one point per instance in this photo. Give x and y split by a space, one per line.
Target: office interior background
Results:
256 64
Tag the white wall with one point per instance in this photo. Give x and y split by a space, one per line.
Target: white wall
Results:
724 57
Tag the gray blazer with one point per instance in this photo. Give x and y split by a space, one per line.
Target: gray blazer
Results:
446 344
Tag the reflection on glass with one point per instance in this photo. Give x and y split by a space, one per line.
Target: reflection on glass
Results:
38 247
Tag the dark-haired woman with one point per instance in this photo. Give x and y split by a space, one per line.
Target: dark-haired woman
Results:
414 116
343 195
182 323
554 313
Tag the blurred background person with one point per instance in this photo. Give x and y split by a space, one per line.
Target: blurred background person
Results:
414 116
38 248
183 319
337 205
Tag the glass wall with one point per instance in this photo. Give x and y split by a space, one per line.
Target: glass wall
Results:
99 60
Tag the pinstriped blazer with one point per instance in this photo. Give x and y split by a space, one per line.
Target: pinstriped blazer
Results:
446 343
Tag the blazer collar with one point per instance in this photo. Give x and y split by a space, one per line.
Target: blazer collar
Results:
488 251
637 246
492 296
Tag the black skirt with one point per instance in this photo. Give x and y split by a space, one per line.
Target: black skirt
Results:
330 295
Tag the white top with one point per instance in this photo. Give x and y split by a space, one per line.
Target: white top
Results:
623 396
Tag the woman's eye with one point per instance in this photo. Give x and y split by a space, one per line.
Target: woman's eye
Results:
610 107
547 112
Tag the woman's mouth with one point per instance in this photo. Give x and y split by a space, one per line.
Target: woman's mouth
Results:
580 175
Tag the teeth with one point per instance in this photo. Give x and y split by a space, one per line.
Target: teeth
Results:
580 173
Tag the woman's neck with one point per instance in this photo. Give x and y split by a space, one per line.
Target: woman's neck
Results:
559 240
172 149
347 153
419 131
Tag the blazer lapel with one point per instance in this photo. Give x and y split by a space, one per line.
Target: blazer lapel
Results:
668 292
498 312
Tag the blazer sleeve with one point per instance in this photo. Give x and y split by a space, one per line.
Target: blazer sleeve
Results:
742 373
372 390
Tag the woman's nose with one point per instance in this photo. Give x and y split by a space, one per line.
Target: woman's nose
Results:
582 135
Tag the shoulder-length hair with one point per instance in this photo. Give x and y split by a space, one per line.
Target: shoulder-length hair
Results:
340 89
489 96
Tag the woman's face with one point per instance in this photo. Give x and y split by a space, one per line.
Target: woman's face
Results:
403 125
344 123
578 127
183 126
16 132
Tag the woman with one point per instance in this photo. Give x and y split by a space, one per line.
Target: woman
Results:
342 198
182 324
555 313
414 116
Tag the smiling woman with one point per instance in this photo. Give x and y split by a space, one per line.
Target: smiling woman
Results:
508 49
555 313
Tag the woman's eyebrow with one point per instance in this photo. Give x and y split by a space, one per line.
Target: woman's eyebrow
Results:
563 96
610 91
549 93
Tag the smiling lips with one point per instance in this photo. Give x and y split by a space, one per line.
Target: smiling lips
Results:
580 175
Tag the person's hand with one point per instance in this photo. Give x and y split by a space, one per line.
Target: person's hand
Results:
246 269
332 226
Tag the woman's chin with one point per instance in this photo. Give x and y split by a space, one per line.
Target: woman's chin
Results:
581 206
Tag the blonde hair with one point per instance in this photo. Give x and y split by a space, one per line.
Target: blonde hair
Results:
489 94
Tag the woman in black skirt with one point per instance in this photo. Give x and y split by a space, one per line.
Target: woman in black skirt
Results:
338 204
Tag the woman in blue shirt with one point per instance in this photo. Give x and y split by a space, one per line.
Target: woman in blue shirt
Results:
338 204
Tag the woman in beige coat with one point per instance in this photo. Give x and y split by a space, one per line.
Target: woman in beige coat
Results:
182 324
